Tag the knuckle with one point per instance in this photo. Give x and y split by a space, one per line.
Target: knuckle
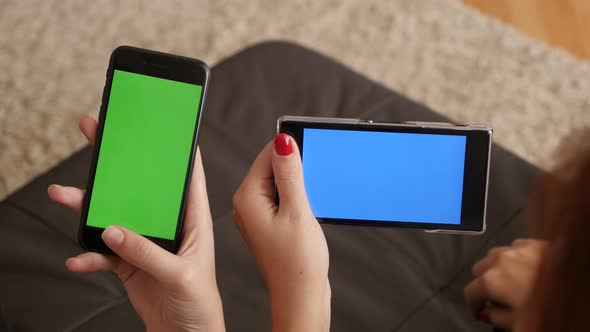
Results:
240 196
288 175
489 280
237 199
518 241
143 250
238 203
290 215
496 251
507 256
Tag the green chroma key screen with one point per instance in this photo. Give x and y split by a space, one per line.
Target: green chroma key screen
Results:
144 154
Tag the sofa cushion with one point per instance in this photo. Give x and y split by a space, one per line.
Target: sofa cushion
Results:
382 279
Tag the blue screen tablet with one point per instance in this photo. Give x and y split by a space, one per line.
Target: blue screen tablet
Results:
384 176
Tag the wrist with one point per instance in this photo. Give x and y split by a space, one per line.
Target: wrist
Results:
305 307
203 312
213 318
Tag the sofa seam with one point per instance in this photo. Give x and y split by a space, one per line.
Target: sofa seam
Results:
34 215
81 322
439 290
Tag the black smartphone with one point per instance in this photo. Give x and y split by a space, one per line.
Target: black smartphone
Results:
148 128
427 176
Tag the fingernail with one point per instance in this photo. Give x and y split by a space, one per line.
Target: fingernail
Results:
53 186
283 144
113 236
69 262
484 317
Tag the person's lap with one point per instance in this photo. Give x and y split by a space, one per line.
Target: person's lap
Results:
379 276
382 279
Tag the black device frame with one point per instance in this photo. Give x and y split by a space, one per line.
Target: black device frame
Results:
475 180
156 64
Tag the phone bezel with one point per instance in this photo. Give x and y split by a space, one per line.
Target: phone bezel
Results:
476 176
156 64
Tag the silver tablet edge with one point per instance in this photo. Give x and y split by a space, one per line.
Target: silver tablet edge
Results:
421 124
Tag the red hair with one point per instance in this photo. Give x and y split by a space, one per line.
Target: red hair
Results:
560 213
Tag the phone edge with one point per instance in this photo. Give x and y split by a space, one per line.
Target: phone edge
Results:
95 149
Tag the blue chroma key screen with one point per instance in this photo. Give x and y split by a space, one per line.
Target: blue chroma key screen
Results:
384 176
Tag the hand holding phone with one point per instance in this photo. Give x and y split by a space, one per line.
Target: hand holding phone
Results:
169 292
286 239
144 148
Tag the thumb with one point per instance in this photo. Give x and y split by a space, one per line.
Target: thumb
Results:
142 253
288 172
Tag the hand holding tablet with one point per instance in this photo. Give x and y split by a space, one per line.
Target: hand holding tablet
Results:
430 176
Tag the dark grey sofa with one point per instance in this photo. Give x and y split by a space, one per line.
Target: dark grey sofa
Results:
382 279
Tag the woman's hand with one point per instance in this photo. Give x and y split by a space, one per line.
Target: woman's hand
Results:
169 292
286 240
503 281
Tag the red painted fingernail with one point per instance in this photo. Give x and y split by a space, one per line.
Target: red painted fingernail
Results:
283 144
483 316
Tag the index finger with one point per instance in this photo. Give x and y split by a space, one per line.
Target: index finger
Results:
259 180
70 197
481 291
520 242
88 127
197 206
262 166
487 262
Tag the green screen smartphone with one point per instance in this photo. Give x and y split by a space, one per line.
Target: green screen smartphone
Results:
146 140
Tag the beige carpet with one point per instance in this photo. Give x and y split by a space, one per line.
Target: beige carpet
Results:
53 56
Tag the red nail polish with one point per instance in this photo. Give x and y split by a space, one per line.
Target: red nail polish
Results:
283 144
